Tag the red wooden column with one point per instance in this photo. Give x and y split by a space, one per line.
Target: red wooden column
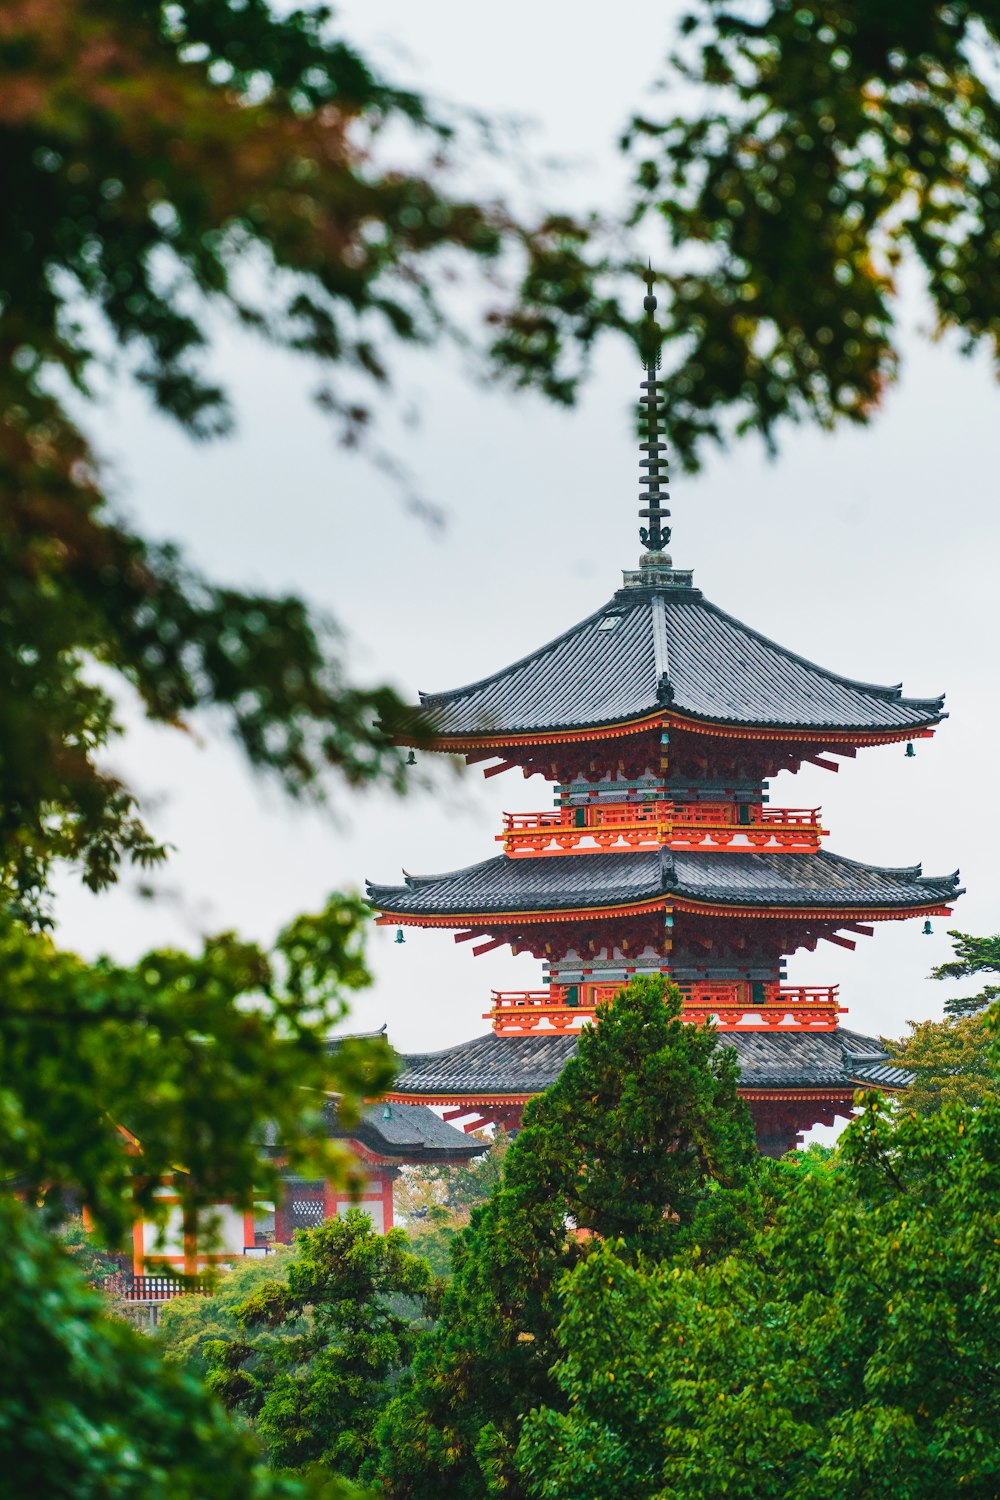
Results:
386 1178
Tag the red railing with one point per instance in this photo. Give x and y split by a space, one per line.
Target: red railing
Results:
595 827
737 1005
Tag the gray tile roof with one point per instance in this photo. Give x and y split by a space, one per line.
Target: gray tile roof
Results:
411 1132
669 647
882 1075
583 881
514 1065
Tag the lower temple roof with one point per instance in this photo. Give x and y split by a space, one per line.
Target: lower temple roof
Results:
599 881
411 1132
515 1066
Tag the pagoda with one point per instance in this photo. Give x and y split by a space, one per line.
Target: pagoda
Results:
660 719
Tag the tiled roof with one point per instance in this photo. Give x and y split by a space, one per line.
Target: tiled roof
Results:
584 881
881 1075
514 1065
669 647
410 1131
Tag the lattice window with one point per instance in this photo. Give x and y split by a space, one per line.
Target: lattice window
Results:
307 1212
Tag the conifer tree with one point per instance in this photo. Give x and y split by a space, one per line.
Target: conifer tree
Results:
642 1141
319 1349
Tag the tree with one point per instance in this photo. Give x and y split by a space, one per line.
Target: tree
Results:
320 1350
845 1352
950 1061
97 1267
167 167
973 955
187 1056
187 1325
435 1202
641 1139
824 145
114 1079
88 1409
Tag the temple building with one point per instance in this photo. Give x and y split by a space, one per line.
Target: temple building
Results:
660 720
386 1137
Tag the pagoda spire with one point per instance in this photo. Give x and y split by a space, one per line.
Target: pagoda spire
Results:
655 535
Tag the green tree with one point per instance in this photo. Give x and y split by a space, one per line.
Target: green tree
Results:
88 1409
96 1266
641 1139
435 1202
845 1352
168 168
187 1325
824 144
973 955
192 1055
950 1061
114 1078
321 1349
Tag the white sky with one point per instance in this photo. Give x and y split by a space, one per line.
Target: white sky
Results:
873 553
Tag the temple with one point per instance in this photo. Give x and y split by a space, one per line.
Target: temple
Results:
660 719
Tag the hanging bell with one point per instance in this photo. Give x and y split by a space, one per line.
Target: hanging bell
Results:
411 759
399 935
910 752
928 929
387 1113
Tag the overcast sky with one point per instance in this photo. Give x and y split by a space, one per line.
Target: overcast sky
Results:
873 553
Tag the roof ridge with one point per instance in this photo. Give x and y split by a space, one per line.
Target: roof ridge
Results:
415 880
913 871
880 689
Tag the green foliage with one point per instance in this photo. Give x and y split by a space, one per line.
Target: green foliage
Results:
192 1054
435 1202
167 167
973 955
824 144
951 1062
844 1353
88 1410
188 1325
641 1139
95 1265
318 1351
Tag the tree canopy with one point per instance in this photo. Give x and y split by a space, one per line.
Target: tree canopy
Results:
642 1138
823 145
973 955
318 1352
844 1352
167 166
115 1078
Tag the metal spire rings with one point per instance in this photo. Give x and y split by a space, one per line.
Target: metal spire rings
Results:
654 495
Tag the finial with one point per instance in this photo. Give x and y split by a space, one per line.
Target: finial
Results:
656 535
649 301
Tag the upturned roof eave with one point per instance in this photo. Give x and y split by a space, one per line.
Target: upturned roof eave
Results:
509 735
493 728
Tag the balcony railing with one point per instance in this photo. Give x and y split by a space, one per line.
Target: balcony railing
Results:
154 1288
596 827
739 1005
